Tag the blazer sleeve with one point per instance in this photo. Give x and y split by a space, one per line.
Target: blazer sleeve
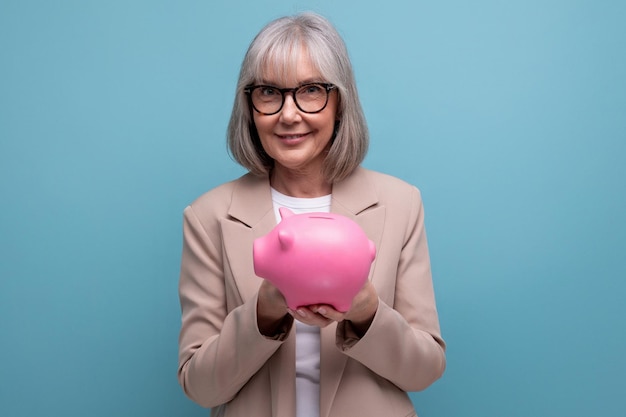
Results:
403 343
211 370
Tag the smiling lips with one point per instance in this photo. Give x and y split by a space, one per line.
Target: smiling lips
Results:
293 139
292 136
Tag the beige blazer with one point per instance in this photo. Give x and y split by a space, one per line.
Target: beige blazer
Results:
227 364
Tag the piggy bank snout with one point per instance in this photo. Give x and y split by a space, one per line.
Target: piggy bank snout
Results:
271 259
259 256
372 249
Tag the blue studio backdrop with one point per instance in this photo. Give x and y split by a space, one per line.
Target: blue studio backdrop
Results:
509 116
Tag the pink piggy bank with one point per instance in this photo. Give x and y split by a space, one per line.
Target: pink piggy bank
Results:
315 258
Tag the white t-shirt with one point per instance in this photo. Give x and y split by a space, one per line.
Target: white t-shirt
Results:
307 337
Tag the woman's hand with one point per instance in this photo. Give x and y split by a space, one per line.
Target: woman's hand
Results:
361 313
271 309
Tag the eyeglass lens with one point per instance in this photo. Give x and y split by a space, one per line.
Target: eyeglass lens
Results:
310 98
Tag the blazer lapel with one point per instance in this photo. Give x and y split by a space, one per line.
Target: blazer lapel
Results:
355 199
250 216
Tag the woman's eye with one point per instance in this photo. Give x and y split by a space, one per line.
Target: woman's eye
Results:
312 89
268 91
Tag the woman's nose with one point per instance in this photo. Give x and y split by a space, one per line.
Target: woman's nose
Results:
290 112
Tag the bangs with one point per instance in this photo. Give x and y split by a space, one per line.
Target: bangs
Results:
280 60
274 54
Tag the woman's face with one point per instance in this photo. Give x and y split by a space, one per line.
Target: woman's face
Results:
296 140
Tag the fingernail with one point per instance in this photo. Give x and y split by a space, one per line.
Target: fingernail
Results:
301 313
321 310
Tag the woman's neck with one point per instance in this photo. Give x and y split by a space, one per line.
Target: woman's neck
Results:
299 185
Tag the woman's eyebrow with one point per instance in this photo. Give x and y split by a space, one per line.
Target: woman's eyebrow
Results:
314 80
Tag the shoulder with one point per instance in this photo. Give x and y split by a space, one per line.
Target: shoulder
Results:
383 178
220 197
216 198
389 189
215 204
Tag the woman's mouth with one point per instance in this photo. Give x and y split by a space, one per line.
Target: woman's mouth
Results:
292 138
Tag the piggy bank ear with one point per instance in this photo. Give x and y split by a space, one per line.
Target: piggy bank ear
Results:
286 239
285 212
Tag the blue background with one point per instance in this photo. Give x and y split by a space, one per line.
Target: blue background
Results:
510 117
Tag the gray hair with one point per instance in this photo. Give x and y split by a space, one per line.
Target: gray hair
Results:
278 46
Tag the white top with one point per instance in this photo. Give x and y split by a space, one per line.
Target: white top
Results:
307 337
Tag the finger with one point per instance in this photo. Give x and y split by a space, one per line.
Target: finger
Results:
328 312
306 316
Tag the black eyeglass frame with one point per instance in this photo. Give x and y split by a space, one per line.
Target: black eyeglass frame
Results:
327 86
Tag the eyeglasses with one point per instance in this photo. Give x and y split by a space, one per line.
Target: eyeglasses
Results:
309 98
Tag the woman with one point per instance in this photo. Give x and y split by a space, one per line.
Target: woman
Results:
298 127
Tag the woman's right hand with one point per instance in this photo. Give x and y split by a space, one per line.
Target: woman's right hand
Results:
271 309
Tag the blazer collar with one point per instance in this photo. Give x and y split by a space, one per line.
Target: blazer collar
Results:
354 194
252 199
